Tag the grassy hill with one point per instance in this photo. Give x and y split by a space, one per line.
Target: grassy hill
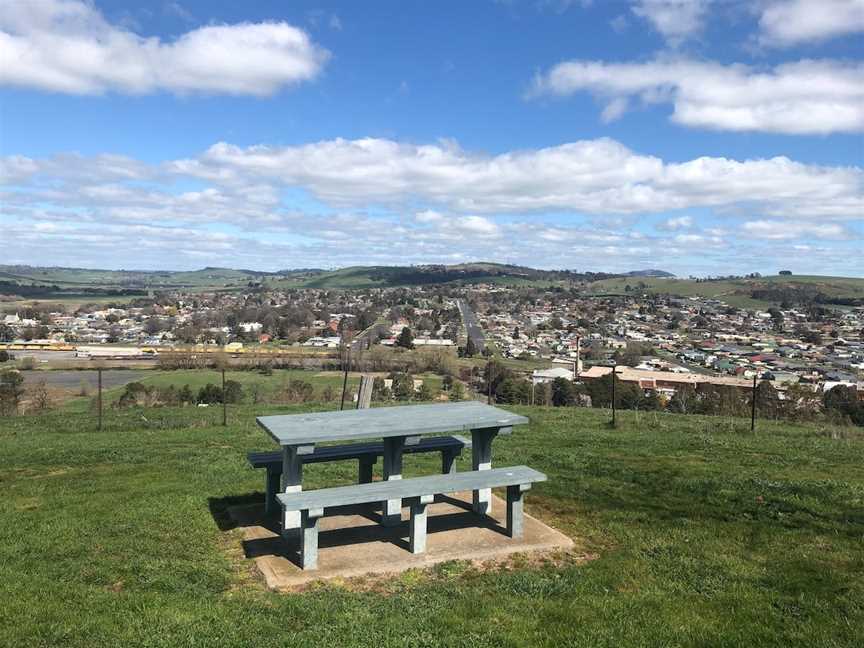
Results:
391 276
696 533
62 282
745 293
67 283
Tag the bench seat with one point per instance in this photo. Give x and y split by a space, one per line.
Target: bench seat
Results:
450 448
421 490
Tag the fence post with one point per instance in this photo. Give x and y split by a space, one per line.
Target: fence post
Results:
753 407
99 397
614 372
347 367
224 401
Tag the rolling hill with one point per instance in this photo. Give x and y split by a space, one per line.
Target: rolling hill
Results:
56 283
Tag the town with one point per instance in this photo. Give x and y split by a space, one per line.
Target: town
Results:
660 344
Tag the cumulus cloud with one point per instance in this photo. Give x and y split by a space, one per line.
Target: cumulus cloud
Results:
675 20
599 176
782 230
805 97
68 46
381 200
785 23
677 223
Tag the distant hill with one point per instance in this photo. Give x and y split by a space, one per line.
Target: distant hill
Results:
649 273
746 292
50 283
419 275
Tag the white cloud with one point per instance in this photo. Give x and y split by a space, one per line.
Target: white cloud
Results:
591 176
805 97
783 230
677 223
478 226
676 20
785 23
67 46
229 206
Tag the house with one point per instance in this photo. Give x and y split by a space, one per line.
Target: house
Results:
541 376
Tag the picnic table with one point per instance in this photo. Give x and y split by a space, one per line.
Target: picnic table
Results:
400 428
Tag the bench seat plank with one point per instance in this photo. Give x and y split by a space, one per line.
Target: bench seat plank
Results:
421 491
405 488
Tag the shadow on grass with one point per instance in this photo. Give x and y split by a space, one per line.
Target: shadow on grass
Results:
247 510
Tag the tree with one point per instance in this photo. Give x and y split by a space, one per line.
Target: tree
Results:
233 391
507 391
185 395
424 393
768 403
470 348
842 401
405 339
562 392
210 394
11 390
380 390
684 401
403 386
457 392
40 398
776 318
627 394
6 333
494 373
4 356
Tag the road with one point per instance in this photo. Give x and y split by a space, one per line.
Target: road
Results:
472 326
74 379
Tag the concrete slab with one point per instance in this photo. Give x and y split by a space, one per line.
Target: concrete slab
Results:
353 543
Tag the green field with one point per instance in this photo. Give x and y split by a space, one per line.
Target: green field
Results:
698 534
733 292
198 378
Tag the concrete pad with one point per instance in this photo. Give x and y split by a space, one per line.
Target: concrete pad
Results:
352 542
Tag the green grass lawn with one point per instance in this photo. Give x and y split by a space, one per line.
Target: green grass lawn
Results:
701 535
278 380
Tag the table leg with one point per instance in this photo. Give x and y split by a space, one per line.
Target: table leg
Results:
292 480
391 510
481 459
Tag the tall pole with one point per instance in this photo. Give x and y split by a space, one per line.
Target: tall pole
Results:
614 372
224 401
99 397
347 365
578 358
753 407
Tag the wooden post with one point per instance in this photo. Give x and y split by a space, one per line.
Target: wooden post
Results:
99 397
614 372
224 401
347 365
364 395
753 407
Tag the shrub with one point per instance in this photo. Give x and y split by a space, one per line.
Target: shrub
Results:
10 391
233 391
210 394
380 390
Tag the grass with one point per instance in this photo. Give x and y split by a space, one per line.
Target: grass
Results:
198 378
735 292
704 535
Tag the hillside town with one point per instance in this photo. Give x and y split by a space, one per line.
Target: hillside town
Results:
657 341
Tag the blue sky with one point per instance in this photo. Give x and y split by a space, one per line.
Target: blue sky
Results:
699 136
